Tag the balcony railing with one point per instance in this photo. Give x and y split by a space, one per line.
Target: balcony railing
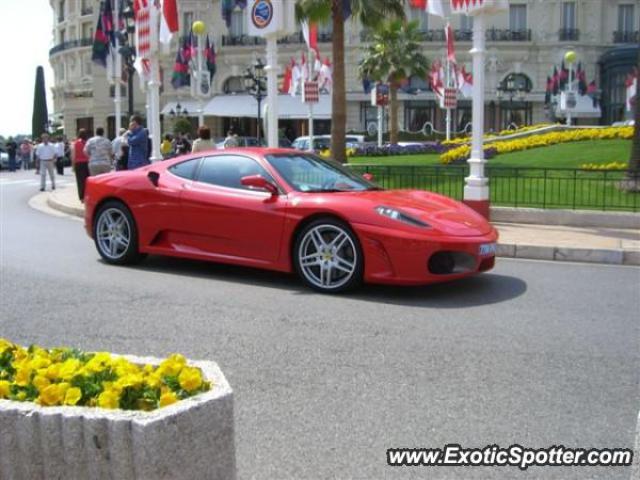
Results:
293 39
87 10
569 35
83 42
626 36
492 35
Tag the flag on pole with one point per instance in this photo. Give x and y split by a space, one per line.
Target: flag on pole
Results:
631 84
104 35
451 49
296 78
142 10
421 4
436 78
168 21
548 91
228 6
286 80
439 8
180 77
210 55
325 79
465 82
310 33
556 81
367 85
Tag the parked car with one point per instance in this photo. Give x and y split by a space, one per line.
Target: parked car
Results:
286 211
253 142
322 142
4 159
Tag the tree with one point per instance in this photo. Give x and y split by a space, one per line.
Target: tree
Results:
393 55
40 116
182 126
370 13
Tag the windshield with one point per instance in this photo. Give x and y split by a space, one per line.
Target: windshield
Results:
310 173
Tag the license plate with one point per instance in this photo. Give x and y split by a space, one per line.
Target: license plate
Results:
487 249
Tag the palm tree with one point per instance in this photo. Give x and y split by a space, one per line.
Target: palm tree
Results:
393 55
370 13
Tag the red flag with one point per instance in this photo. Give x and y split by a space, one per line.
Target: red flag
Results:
310 33
168 21
451 49
421 4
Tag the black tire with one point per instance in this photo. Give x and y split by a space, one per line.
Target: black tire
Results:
123 255
332 260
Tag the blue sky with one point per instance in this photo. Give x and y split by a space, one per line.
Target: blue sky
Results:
25 40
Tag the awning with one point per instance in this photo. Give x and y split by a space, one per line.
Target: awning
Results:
289 108
191 106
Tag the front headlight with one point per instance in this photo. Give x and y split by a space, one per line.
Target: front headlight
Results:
396 214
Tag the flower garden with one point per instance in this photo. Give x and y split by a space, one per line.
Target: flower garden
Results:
64 376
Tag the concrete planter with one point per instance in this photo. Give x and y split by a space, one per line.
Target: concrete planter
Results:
187 440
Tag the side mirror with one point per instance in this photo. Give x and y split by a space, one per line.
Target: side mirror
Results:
258 181
154 178
368 177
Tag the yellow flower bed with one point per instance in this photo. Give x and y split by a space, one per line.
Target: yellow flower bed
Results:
604 166
543 140
64 376
467 139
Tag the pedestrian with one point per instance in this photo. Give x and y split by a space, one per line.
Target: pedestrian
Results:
12 150
232 140
59 146
116 145
138 141
46 154
182 144
166 147
25 154
98 149
80 161
203 142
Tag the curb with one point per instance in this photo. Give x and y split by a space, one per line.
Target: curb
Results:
569 254
506 250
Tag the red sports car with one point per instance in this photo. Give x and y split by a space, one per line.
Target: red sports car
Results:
286 210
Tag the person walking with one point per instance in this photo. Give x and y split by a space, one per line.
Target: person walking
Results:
25 154
182 144
203 142
99 150
80 161
166 147
12 150
46 154
59 146
138 141
116 145
232 140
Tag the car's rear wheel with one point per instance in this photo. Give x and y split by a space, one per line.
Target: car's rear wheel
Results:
116 235
328 257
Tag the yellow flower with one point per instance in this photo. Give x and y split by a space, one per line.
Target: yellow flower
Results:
130 380
53 371
5 345
172 365
39 362
41 382
5 388
73 396
69 368
109 399
168 398
190 379
20 396
52 395
99 362
23 376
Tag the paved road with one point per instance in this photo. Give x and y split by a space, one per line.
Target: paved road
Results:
534 353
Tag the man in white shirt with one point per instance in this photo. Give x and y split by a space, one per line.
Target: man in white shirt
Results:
117 145
100 153
46 153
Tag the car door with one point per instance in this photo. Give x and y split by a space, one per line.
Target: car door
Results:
228 219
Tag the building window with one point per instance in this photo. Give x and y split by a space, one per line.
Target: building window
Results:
187 22
417 114
63 35
123 91
325 32
87 30
87 67
233 85
625 18
368 117
466 23
517 18
60 71
569 15
86 7
237 23
61 12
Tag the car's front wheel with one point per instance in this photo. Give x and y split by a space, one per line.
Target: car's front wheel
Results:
328 257
116 235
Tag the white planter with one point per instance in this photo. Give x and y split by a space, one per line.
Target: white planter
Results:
191 439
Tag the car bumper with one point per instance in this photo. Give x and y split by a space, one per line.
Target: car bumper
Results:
399 258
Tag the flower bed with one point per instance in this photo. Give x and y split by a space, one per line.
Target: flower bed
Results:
189 438
64 376
542 140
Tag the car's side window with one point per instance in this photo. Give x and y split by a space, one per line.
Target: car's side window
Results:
185 169
228 170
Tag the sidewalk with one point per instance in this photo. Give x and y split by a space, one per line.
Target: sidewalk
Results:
540 242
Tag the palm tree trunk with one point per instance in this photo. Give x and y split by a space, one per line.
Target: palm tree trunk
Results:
339 98
393 113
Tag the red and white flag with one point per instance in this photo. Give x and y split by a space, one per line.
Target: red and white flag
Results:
168 21
286 81
142 16
631 84
296 78
465 82
310 33
451 49
436 78
325 79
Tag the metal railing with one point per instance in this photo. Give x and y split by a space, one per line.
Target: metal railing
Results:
573 189
568 35
492 35
622 36
83 42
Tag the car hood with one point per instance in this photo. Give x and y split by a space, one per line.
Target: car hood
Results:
442 213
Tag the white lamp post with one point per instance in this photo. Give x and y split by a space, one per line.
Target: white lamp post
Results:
570 59
200 87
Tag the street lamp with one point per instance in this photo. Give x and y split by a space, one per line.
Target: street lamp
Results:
179 111
127 49
514 85
570 98
254 84
201 87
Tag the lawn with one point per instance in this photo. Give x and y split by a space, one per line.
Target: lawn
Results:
566 155
531 178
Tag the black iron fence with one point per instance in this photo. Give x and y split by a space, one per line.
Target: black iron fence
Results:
517 187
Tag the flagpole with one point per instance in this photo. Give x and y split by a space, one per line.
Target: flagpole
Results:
310 104
272 90
199 75
448 79
117 100
154 87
